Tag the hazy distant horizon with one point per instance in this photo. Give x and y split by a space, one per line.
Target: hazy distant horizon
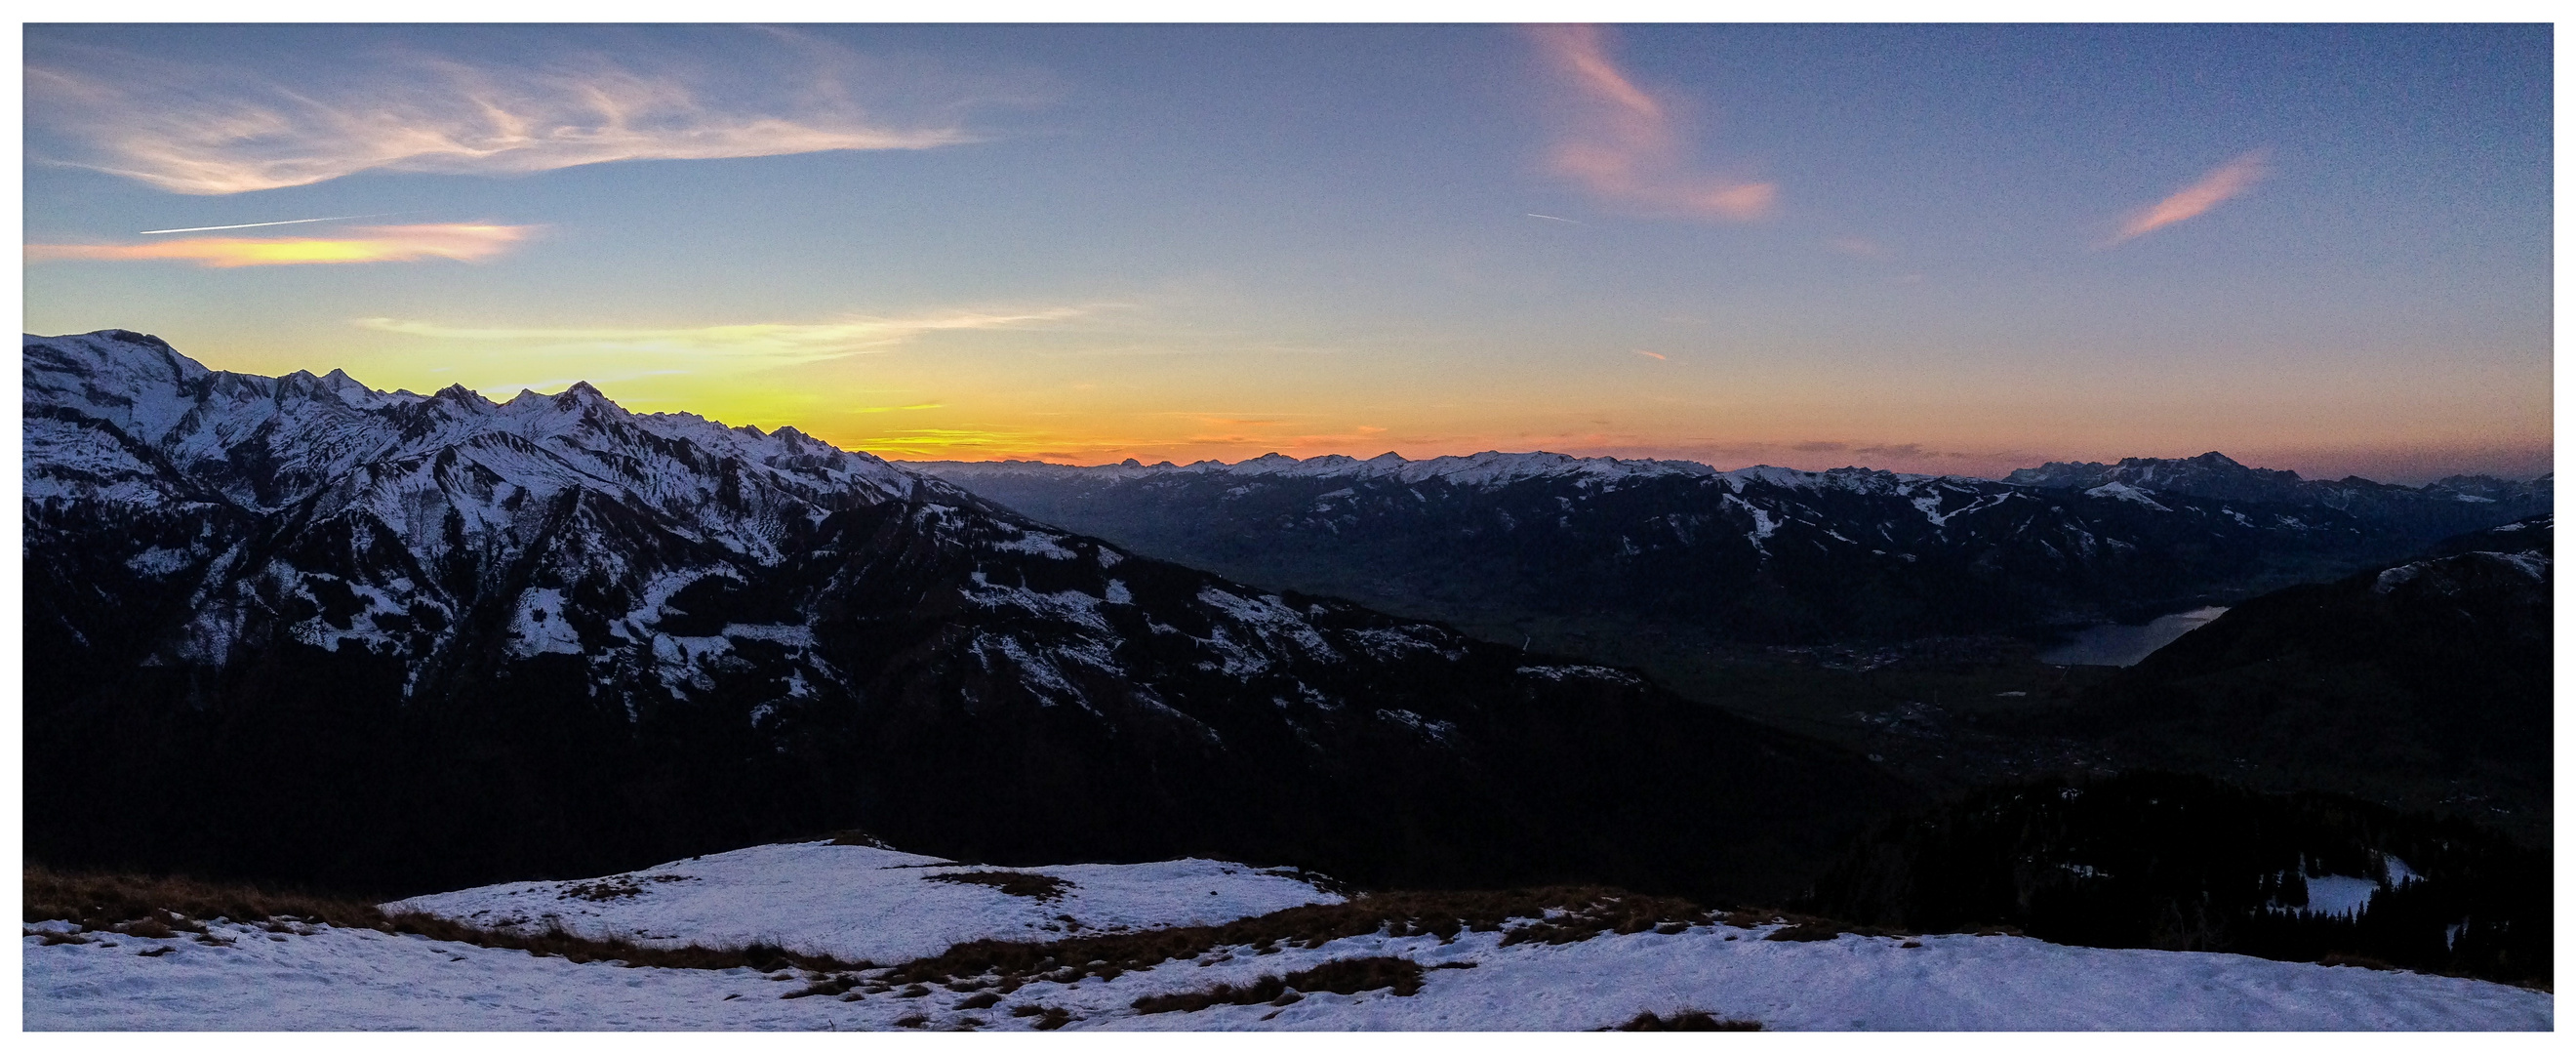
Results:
2509 467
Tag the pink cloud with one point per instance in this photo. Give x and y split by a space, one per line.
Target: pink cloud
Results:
2226 181
1623 143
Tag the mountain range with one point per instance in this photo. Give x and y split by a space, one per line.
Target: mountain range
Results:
1510 544
296 628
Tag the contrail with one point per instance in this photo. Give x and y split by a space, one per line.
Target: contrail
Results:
1559 219
271 223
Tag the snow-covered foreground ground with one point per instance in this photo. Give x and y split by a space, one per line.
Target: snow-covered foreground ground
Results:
858 903
361 979
873 904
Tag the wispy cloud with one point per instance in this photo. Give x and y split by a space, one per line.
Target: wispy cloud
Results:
195 128
538 356
1624 144
2226 181
468 242
1652 355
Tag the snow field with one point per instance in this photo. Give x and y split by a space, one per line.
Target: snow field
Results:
361 979
344 979
858 903
1952 982
861 903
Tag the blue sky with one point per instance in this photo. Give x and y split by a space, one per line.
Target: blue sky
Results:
1948 248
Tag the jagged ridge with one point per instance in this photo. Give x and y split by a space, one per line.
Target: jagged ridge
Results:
417 641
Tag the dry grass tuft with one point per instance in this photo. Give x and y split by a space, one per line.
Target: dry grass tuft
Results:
1555 915
1343 976
1270 988
116 901
1049 1018
1683 1021
1040 888
617 887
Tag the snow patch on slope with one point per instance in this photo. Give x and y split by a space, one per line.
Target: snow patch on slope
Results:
861 903
2125 492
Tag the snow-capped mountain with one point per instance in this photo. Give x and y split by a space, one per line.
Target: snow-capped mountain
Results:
298 628
1488 469
2215 475
1764 554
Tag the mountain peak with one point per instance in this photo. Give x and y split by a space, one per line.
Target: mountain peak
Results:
2212 474
325 427
131 337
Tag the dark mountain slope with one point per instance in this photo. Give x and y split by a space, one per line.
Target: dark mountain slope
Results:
2425 685
294 629
2158 860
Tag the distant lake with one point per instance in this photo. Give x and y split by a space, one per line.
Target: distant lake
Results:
2114 645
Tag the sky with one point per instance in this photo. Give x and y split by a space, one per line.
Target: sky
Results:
1956 249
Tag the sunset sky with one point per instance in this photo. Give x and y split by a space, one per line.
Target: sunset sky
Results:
1935 249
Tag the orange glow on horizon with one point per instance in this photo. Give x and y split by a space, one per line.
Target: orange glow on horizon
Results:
2384 462
1082 385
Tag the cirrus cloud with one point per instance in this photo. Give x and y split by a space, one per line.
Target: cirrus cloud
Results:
1624 144
601 353
467 242
197 128
2226 181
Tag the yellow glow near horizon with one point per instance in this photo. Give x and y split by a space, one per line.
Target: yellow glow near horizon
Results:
1091 385
466 242
1103 382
